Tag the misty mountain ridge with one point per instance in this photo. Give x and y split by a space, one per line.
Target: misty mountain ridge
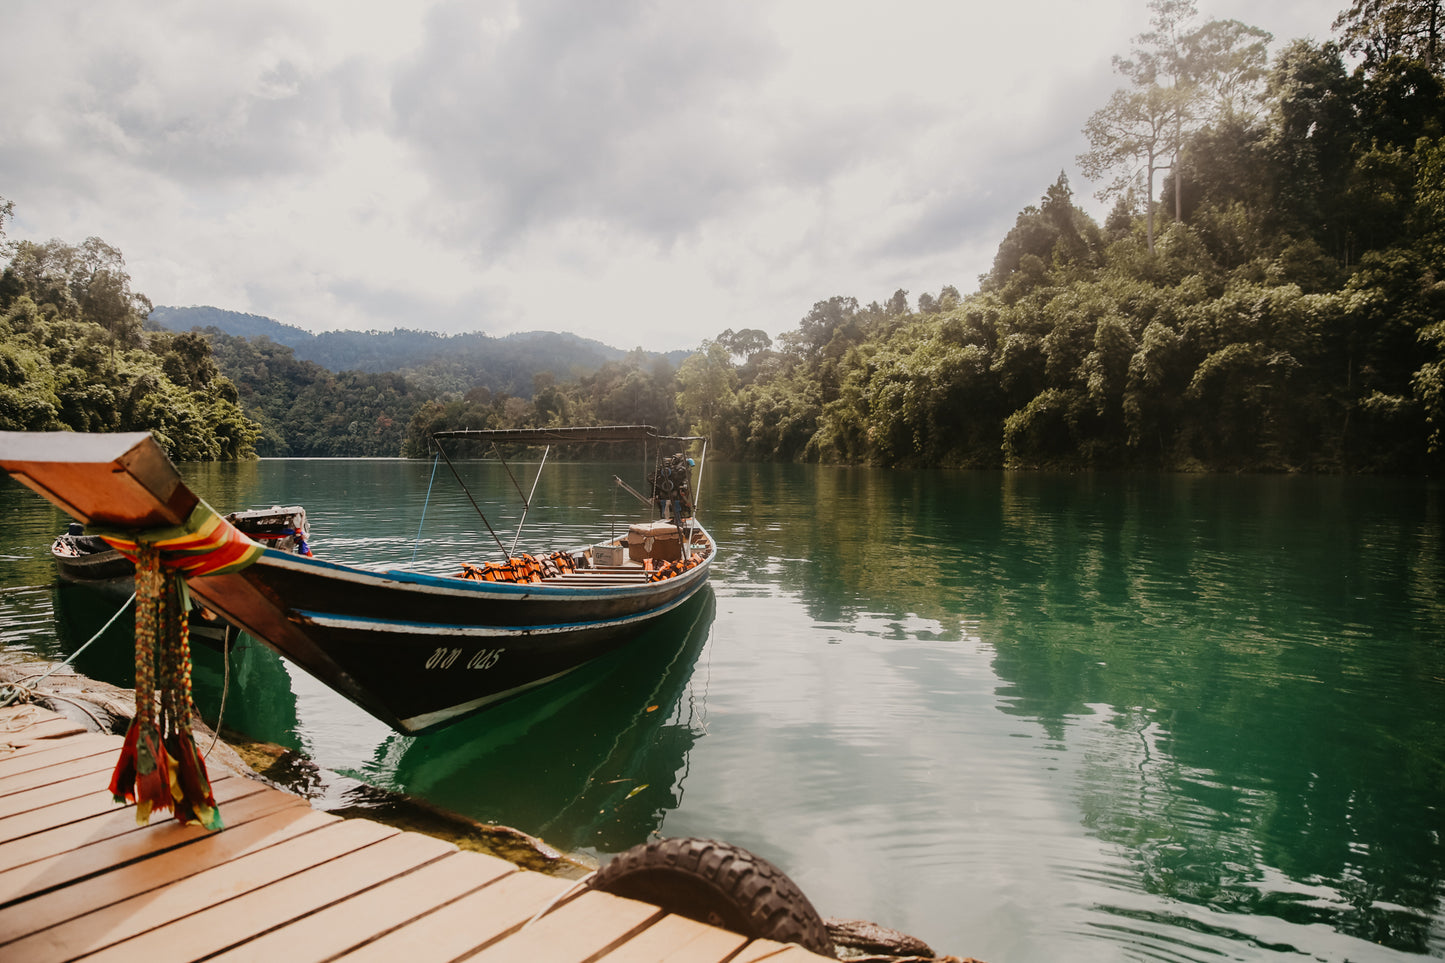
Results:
564 355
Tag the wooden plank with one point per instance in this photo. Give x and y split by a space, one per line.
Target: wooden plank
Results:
776 953
41 796
116 822
466 925
69 867
96 761
201 934
576 931
677 939
174 865
83 932
601 580
41 755
59 814
45 730
355 921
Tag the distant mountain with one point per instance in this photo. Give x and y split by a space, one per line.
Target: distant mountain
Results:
438 361
231 322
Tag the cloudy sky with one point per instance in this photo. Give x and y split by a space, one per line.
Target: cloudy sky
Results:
643 172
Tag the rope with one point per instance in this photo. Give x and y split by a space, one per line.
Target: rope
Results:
225 687
436 460
19 688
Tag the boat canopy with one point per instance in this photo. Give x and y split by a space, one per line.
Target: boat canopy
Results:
560 436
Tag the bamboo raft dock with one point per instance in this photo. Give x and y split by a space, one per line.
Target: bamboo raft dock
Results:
80 880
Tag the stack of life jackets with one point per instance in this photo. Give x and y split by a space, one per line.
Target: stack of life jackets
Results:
520 568
670 569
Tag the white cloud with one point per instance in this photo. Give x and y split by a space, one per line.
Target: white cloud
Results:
642 172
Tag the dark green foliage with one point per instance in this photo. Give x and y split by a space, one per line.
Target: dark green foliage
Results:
1290 320
1056 233
73 356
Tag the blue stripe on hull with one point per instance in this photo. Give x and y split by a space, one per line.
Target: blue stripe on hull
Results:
362 624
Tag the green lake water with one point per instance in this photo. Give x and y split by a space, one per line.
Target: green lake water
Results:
1026 717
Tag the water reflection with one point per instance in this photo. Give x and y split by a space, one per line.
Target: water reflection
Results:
1244 678
595 761
250 691
1249 647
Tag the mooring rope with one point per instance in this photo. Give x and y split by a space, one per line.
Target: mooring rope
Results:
225 687
436 460
27 687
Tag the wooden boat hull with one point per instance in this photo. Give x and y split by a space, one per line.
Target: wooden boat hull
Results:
416 651
102 566
419 651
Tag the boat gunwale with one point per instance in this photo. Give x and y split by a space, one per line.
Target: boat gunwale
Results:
470 588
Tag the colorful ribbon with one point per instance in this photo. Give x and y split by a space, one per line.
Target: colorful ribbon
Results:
204 544
159 766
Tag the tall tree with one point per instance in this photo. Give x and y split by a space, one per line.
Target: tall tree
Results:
1178 79
1141 129
1312 131
745 343
1053 232
834 318
1131 136
1228 62
1380 29
1164 59
102 286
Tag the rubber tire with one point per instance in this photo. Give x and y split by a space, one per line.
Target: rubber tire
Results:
718 884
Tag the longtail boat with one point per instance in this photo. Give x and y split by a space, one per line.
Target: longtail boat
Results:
417 651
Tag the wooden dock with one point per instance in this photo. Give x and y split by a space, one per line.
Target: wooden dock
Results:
80 880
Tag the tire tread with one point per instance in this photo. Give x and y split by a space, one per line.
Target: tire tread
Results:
717 883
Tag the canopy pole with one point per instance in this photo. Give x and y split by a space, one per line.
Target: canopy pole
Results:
527 499
458 477
697 489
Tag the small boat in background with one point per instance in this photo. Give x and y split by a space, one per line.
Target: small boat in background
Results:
90 560
416 651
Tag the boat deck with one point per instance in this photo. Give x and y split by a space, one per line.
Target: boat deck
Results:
80 880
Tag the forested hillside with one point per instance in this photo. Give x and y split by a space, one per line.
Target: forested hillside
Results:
73 356
1266 293
1279 305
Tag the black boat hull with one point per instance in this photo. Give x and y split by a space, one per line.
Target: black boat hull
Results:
420 651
